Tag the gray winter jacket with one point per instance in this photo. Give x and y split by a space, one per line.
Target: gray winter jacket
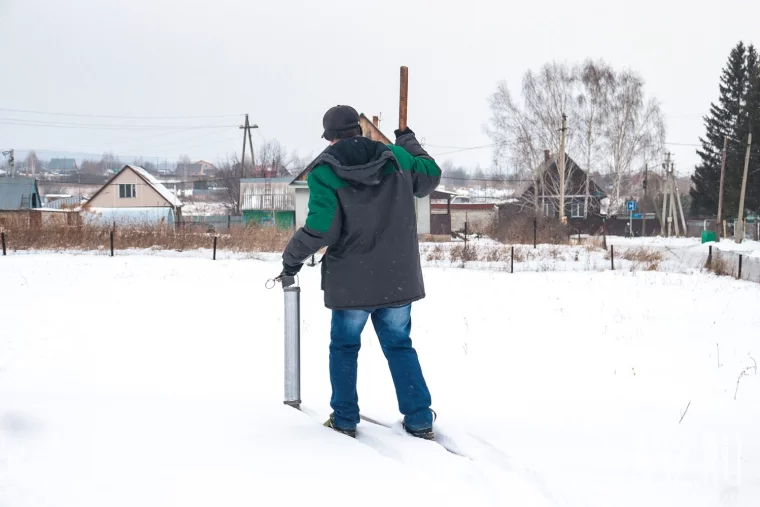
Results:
362 207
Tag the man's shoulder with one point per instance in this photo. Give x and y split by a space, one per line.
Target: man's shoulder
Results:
402 156
323 174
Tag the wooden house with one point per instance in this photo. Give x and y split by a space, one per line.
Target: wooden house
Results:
540 197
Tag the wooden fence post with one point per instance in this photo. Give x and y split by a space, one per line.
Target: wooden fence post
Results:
535 233
111 238
512 261
709 256
740 267
612 256
214 248
2 234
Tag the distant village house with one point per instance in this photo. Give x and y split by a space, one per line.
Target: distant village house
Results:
133 196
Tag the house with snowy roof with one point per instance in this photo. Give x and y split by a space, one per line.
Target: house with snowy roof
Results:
133 196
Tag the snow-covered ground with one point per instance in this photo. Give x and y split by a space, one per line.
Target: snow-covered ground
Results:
157 381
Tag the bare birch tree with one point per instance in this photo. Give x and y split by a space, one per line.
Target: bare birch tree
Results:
610 125
522 132
272 158
228 175
593 110
634 132
31 162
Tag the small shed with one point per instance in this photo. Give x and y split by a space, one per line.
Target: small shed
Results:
371 130
440 212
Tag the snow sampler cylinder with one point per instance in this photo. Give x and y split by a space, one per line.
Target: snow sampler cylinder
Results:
292 342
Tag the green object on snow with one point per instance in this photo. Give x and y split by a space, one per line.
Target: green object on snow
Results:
708 236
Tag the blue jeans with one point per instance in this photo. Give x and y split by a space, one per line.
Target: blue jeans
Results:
393 326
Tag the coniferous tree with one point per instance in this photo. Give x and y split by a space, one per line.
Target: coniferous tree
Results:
752 106
725 118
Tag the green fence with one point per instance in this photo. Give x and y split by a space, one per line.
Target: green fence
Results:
284 219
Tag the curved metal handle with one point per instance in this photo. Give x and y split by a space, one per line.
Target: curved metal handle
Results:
286 281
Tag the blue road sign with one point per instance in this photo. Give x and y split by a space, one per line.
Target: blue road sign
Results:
631 205
637 215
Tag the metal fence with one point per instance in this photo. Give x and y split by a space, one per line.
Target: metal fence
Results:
269 201
64 202
751 229
213 222
740 266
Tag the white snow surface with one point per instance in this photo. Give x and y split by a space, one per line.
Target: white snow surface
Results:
157 380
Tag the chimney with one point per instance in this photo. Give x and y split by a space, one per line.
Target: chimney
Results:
376 121
547 156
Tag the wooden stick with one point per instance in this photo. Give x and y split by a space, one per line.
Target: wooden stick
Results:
687 409
403 98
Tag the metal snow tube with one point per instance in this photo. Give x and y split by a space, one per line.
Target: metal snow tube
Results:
292 346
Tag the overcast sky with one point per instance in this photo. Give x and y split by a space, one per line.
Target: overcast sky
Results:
286 62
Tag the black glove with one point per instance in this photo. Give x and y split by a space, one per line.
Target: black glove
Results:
404 132
407 140
288 275
288 270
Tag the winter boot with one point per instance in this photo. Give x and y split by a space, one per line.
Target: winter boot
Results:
426 433
330 423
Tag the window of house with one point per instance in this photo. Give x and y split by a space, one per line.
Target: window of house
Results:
127 191
576 210
548 209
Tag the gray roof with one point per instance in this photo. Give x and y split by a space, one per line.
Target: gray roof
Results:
14 191
62 164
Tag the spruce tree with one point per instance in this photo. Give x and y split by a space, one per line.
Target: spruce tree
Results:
752 107
724 118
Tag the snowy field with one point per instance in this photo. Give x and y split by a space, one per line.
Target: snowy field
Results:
156 380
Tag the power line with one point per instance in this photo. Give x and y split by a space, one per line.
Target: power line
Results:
139 138
684 144
459 150
96 126
120 117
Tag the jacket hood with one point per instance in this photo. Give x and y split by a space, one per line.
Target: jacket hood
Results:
359 160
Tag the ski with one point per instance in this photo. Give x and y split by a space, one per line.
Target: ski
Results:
443 441
440 439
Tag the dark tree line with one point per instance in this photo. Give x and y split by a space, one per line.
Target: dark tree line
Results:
736 114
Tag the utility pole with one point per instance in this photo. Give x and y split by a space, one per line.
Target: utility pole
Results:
667 212
720 192
561 169
643 210
246 132
11 160
739 232
678 198
588 172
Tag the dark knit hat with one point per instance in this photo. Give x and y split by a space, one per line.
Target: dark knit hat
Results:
339 119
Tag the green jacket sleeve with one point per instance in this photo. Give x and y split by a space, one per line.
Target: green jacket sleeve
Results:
426 175
324 221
